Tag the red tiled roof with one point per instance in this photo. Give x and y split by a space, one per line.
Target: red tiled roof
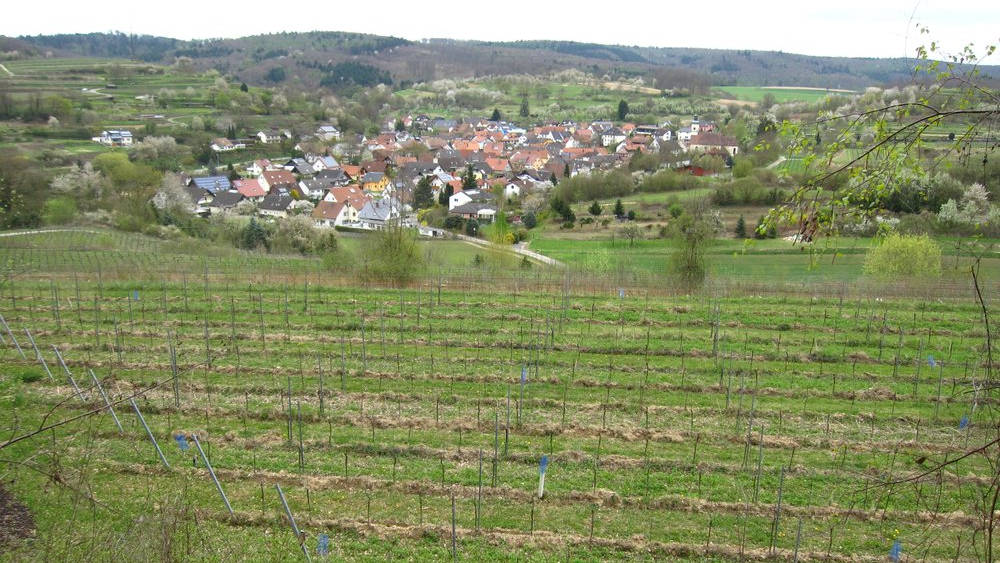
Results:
249 188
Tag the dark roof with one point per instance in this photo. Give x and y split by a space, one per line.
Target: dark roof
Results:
333 174
275 202
373 177
196 193
226 199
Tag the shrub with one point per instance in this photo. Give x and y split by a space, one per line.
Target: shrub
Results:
472 227
59 211
529 220
392 254
904 256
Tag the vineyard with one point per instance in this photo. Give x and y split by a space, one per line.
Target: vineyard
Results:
351 422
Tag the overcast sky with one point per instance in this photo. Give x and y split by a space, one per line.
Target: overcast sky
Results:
868 28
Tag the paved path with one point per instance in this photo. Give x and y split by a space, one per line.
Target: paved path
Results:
43 231
5 69
776 163
517 248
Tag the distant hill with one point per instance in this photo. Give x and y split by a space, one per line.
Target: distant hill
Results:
338 59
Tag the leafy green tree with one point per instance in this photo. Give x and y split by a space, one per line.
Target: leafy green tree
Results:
904 256
692 231
496 115
622 110
525 110
619 208
392 255
595 209
741 228
631 215
529 220
742 168
765 229
423 195
894 133
244 87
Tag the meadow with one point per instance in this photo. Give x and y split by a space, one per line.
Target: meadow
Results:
781 95
410 422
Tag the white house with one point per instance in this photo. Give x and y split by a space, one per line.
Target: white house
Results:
333 214
613 135
115 138
325 163
225 145
272 136
328 133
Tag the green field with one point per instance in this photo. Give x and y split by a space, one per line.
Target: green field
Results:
672 424
781 95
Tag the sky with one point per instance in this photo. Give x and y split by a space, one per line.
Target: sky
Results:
854 28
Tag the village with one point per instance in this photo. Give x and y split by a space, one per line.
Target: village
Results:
474 167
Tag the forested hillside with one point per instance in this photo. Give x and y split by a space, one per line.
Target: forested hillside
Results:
344 59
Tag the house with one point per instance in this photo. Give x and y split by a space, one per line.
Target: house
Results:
351 171
374 182
272 136
341 194
314 188
479 210
684 134
335 213
612 136
275 205
325 163
327 133
199 198
250 189
213 184
498 165
378 213
333 177
225 145
514 188
468 196
272 180
224 202
299 166
258 166
115 138
710 141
